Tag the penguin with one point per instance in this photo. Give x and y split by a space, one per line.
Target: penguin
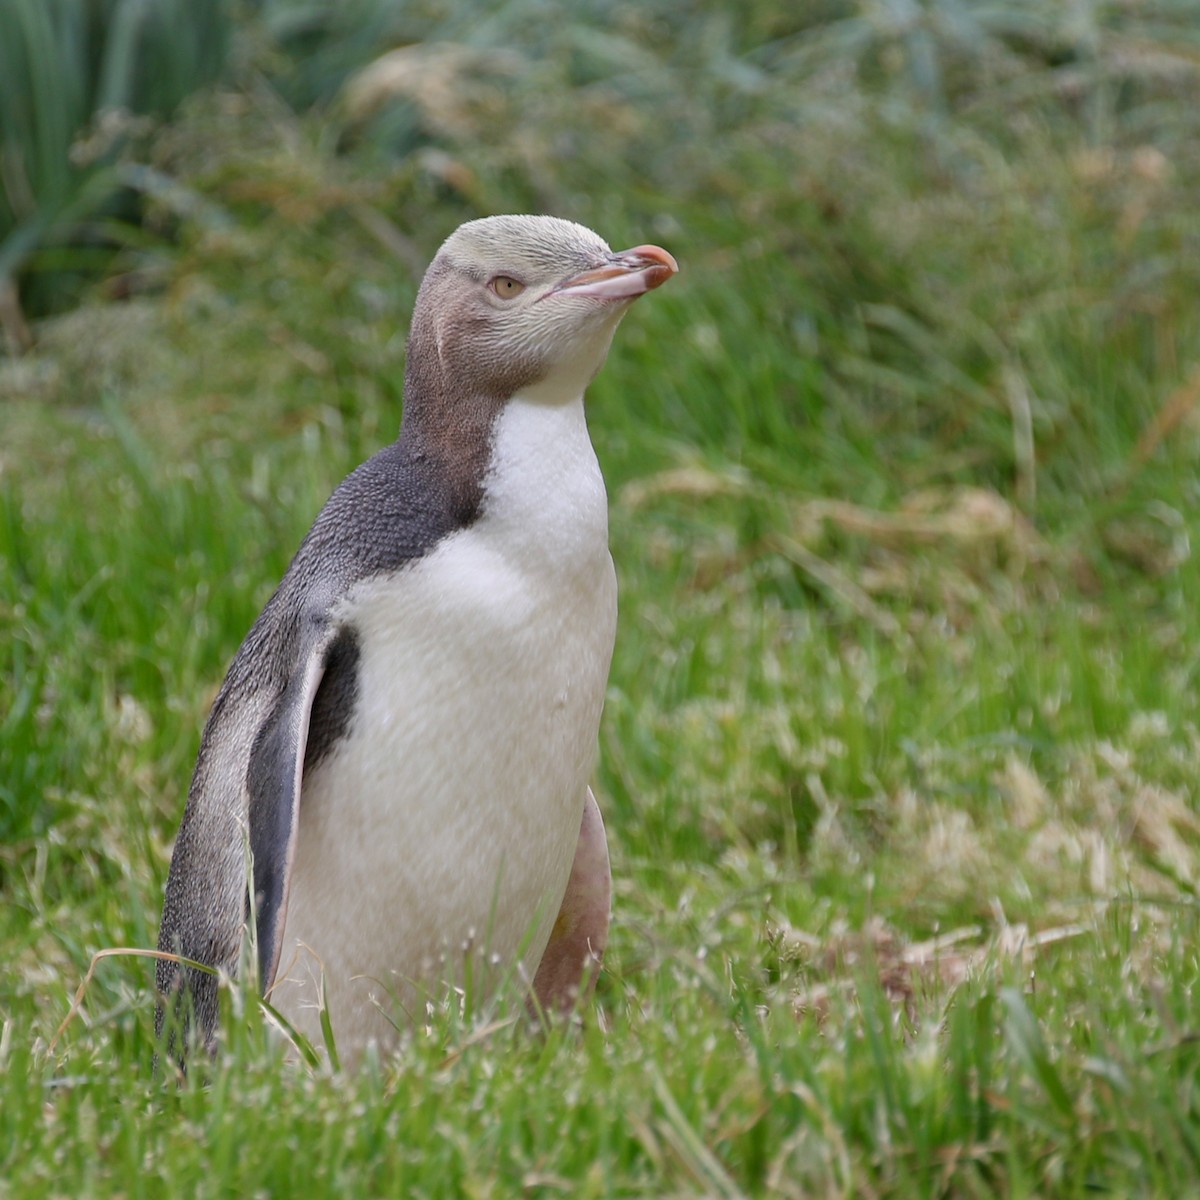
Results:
391 797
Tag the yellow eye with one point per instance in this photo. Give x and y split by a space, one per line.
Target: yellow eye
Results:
506 287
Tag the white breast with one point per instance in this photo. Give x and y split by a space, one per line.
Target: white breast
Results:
442 830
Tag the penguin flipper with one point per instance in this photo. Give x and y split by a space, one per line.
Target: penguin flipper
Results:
567 973
274 779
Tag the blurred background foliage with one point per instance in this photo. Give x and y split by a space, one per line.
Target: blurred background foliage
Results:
940 269
939 207
81 78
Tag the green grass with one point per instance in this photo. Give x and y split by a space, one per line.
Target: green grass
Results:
900 752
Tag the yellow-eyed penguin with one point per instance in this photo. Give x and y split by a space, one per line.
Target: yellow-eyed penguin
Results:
403 743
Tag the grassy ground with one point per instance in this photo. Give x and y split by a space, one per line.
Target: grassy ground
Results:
900 753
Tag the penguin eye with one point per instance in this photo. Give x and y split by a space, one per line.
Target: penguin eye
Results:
506 287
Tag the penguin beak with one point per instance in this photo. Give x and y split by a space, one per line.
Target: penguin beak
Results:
624 275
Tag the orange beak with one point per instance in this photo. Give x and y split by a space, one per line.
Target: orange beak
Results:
626 275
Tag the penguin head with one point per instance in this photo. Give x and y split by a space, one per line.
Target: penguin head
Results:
525 304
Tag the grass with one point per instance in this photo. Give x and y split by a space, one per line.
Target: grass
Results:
900 752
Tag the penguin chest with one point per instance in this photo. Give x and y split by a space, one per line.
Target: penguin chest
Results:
436 837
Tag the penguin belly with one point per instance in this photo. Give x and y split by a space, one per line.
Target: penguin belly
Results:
436 837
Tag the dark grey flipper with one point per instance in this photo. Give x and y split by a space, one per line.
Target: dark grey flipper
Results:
254 818
314 712
273 783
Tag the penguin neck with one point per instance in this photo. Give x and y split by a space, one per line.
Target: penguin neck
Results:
449 433
521 458
543 494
